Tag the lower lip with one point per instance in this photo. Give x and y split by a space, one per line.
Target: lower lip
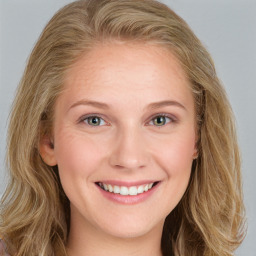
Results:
128 200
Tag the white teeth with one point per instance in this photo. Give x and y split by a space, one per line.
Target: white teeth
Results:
123 190
133 191
110 189
105 186
140 189
116 189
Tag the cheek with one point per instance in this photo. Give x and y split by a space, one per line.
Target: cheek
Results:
176 153
78 158
176 160
77 155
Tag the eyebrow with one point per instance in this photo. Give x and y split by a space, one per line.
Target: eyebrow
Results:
90 103
151 106
165 103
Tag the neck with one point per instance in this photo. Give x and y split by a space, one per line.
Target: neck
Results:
86 240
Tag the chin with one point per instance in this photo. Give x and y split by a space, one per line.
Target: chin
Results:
128 228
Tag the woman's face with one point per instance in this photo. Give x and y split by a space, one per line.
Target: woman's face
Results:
124 138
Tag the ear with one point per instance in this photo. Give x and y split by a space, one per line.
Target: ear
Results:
47 152
195 154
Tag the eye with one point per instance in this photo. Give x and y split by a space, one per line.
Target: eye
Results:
94 121
161 120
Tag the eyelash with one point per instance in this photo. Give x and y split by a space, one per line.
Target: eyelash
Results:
84 118
172 119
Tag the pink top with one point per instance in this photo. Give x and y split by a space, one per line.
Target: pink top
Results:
3 249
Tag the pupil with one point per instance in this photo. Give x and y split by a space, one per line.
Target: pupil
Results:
94 120
160 120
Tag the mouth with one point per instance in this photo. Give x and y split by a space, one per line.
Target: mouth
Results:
127 190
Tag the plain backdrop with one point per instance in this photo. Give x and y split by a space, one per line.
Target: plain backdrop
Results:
226 27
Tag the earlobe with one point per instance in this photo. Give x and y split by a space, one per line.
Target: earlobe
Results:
47 152
195 154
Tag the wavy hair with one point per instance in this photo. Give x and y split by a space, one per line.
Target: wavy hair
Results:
209 220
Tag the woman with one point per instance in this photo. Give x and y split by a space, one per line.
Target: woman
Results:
121 135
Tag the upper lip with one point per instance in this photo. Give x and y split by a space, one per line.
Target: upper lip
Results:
127 183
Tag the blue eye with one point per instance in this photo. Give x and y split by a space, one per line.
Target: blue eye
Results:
160 120
94 121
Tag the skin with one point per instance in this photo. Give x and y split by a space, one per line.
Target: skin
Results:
127 145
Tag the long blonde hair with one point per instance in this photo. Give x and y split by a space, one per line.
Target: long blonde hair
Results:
209 220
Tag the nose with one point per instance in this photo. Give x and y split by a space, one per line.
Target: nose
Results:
129 151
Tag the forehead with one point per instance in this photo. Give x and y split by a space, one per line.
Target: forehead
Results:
122 68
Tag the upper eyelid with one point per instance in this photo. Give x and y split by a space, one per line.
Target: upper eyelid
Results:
91 115
83 118
172 117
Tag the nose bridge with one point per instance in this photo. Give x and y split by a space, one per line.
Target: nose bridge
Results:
130 151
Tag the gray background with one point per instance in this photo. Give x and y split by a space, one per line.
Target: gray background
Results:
226 27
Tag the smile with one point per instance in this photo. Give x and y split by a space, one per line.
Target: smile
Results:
126 191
